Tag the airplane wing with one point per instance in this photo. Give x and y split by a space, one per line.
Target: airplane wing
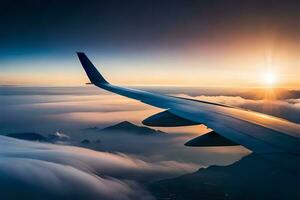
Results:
258 132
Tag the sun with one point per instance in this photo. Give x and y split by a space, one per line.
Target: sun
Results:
269 78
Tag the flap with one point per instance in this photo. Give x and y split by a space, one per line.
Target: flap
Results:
210 139
167 119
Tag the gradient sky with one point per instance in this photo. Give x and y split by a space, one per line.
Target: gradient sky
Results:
199 43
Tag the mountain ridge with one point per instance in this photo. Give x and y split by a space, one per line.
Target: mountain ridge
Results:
31 136
129 127
233 182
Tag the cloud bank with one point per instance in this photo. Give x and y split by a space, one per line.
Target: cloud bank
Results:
288 108
46 171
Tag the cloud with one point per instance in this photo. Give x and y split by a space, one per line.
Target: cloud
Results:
46 171
49 113
59 137
246 93
288 109
35 179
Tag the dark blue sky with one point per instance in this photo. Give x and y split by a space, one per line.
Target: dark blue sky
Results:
48 26
134 29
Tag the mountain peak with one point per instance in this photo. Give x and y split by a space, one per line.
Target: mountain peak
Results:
129 127
124 124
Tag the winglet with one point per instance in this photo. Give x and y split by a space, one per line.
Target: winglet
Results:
91 71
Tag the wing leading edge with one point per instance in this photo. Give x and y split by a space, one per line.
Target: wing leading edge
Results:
258 132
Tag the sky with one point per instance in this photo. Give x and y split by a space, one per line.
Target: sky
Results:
181 43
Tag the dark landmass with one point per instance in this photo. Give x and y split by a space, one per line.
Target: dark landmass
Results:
91 128
85 141
253 177
98 141
31 136
132 129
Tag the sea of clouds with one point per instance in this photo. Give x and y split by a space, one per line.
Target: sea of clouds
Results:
46 171
34 170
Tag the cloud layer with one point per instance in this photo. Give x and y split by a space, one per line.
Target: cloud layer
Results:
46 171
288 109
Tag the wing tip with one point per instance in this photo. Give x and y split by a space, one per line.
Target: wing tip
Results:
79 53
91 71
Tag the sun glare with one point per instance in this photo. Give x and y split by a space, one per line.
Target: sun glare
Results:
269 78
